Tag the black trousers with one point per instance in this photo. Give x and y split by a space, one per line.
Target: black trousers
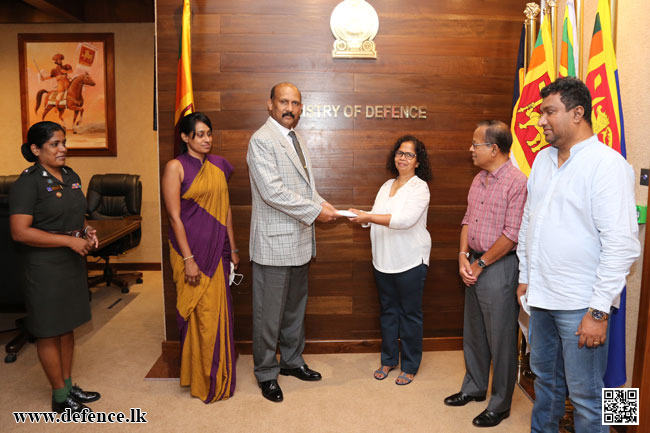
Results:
400 296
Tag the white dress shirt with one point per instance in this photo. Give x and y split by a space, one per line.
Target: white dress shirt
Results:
285 132
405 243
579 235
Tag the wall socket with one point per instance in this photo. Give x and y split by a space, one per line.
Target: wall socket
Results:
645 174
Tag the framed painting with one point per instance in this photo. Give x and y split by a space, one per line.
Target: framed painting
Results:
69 78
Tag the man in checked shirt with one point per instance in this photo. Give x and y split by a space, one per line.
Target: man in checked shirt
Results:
488 265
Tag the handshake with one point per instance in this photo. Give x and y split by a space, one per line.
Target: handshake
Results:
330 213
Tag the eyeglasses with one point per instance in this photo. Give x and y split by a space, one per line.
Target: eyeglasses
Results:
407 155
475 145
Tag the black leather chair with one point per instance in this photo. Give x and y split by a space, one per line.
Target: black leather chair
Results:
11 286
115 196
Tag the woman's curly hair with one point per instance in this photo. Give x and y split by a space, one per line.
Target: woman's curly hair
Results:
423 170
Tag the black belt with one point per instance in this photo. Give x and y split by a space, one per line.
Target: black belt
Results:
478 254
73 233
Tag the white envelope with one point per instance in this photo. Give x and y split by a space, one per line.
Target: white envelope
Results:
347 213
524 304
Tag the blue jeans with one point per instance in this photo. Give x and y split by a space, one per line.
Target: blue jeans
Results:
400 296
558 363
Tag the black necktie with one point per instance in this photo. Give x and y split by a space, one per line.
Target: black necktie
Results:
296 146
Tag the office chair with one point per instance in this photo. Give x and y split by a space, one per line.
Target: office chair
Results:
11 289
115 196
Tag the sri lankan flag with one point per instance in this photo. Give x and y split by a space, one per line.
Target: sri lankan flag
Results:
527 137
568 53
607 122
602 80
184 95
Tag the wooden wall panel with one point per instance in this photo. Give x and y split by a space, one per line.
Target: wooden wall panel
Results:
280 11
263 81
455 58
433 84
401 25
435 103
387 63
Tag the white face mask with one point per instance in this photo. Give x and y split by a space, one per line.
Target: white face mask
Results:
235 278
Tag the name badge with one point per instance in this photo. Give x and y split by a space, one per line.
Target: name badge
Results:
55 188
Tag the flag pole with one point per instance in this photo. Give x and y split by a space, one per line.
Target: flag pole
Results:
531 12
552 6
526 48
581 37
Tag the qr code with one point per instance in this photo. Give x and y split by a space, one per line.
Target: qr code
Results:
620 406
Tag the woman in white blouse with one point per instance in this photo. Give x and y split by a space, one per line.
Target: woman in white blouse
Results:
400 255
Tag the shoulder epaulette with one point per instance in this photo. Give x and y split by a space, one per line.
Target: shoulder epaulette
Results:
30 169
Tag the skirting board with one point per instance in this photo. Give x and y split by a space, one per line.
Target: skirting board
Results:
168 364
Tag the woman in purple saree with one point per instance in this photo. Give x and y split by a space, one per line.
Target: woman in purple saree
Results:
201 248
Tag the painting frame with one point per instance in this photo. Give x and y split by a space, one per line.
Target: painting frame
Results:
107 138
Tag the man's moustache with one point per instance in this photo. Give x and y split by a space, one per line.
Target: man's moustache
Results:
289 114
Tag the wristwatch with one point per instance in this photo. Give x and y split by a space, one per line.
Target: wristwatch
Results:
481 263
597 314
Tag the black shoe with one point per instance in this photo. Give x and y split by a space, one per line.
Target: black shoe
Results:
84 396
302 373
271 390
71 403
488 418
461 399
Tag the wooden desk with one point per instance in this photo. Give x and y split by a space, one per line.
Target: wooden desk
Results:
110 230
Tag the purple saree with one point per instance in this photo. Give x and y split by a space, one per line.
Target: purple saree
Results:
204 312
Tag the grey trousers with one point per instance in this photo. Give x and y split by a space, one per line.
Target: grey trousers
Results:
490 332
279 302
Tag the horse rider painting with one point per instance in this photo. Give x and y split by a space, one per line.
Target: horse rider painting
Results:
60 74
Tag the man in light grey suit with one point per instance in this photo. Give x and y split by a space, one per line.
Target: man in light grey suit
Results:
282 240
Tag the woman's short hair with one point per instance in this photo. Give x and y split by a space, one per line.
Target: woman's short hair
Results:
423 170
38 134
188 123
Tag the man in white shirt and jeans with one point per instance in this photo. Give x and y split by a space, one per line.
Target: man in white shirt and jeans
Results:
577 241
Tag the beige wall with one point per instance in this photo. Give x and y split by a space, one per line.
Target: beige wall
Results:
137 147
633 46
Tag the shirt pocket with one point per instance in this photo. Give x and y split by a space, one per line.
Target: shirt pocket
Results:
278 230
50 200
495 212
